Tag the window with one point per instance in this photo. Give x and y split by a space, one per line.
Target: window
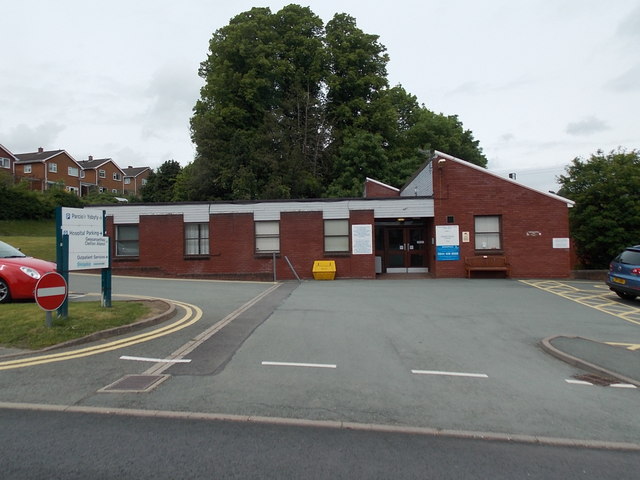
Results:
268 237
127 244
72 189
127 181
196 239
102 174
27 169
114 190
53 167
336 235
102 189
4 162
488 233
73 171
82 173
116 176
144 181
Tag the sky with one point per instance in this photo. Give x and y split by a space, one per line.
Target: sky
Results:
538 82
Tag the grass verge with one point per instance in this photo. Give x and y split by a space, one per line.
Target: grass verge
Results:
22 325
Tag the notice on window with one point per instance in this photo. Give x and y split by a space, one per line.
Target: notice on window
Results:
362 239
447 242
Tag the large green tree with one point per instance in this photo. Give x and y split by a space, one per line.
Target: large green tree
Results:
606 216
160 186
293 109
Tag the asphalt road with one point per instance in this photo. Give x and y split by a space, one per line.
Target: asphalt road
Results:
65 446
442 356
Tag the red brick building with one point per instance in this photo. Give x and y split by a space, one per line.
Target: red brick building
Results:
42 169
449 210
102 174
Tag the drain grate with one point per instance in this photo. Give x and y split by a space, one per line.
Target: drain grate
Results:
135 384
596 379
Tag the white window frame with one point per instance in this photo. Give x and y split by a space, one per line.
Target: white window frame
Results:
127 240
73 171
27 169
336 235
127 180
52 167
5 162
488 232
267 234
116 176
102 173
196 239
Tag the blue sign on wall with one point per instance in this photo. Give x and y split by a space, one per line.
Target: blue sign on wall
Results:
447 252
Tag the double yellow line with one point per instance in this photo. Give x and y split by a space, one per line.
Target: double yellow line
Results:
191 316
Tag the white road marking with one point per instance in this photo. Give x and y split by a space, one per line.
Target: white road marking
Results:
577 382
622 385
155 360
292 364
451 374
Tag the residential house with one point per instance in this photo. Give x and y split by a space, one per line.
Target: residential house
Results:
7 159
103 174
42 169
134 179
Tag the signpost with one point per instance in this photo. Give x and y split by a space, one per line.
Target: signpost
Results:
50 293
82 244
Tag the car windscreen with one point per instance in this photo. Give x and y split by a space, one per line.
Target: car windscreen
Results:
7 251
631 257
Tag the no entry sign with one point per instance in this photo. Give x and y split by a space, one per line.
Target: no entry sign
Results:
51 291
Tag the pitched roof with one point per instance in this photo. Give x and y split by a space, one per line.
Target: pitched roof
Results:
134 171
37 156
7 151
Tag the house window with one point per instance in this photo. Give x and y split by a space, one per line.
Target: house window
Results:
116 176
72 189
114 190
144 181
487 231
27 169
127 181
102 189
73 171
196 239
53 167
268 237
127 244
102 174
82 174
336 235
4 162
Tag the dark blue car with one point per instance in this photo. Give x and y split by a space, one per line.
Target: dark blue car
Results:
624 273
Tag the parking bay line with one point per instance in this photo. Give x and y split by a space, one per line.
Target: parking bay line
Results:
155 360
294 364
450 374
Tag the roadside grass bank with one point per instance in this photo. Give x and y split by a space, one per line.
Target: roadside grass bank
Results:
22 325
35 238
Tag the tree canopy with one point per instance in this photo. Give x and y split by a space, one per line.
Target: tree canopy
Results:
292 108
606 216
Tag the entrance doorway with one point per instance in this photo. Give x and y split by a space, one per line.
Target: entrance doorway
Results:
404 248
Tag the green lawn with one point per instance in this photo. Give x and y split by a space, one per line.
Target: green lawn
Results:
22 325
35 238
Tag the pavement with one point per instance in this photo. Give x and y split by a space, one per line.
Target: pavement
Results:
597 357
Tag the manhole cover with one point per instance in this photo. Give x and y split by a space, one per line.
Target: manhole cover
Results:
596 379
135 383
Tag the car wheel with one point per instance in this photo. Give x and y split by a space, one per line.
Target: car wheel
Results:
626 296
5 294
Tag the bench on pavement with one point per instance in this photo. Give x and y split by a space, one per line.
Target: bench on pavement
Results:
487 263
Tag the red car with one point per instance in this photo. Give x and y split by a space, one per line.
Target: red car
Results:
19 273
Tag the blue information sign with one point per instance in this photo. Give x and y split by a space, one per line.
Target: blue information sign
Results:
447 252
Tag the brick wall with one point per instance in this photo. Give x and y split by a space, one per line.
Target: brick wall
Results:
232 248
530 220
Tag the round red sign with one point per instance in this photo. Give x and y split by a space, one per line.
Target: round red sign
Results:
51 291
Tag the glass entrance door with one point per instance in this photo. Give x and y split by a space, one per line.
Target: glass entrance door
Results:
405 250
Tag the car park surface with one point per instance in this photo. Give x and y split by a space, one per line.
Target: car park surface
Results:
397 353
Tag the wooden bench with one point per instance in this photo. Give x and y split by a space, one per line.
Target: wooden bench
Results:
487 263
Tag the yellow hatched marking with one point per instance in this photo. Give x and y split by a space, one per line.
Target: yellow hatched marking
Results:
601 302
628 346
